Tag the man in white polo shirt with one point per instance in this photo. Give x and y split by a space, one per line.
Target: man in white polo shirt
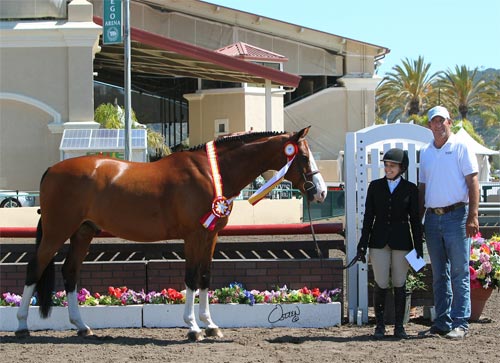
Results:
449 198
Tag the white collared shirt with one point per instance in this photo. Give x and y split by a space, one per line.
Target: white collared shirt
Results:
393 183
443 172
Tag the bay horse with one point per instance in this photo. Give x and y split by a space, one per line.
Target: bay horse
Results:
161 200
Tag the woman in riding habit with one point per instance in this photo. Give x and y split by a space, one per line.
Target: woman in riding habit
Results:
391 228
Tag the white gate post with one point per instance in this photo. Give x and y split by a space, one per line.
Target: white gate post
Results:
350 218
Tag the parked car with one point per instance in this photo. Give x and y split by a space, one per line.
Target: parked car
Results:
15 199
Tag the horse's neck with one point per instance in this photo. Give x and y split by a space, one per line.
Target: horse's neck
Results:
240 166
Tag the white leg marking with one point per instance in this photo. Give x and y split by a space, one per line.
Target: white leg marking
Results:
22 313
74 312
189 317
205 310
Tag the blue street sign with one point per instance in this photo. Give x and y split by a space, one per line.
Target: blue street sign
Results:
112 22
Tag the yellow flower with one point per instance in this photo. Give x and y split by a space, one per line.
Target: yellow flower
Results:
497 275
474 256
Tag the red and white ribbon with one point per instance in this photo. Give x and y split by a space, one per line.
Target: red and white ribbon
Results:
221 206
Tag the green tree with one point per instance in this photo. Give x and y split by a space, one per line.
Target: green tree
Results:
462 91
112 117
407 90
492 118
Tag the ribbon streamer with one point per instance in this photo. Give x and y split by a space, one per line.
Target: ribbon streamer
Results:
270 184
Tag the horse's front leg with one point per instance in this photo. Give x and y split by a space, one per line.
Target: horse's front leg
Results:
211 330
194 333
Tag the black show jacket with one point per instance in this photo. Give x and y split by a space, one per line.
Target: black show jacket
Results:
388 217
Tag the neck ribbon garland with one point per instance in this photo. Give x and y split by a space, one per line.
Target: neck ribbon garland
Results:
221 206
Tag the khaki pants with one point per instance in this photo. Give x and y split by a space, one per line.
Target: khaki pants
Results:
387 263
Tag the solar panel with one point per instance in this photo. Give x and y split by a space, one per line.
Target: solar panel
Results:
101 139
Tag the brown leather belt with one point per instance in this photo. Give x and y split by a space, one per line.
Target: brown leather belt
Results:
443 210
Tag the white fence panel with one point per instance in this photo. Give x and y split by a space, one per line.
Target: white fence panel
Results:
362 163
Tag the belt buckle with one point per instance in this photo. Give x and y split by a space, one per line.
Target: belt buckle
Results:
438 211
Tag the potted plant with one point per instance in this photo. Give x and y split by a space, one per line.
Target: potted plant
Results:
484 267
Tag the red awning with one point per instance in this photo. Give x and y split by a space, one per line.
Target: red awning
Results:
152 54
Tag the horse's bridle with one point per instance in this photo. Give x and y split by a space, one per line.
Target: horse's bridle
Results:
310 189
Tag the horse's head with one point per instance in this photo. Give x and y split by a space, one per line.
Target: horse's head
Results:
304 173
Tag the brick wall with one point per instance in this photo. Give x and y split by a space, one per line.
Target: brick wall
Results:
159 274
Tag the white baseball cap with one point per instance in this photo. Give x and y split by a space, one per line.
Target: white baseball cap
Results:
438 111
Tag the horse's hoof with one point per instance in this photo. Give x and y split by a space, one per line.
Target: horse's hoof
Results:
22 333
214 332
195 336
85 332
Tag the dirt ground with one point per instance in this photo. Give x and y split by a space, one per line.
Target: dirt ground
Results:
338 344
347 343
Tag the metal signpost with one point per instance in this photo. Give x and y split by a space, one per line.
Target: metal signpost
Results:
112 34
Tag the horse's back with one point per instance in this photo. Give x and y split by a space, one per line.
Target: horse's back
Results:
136 201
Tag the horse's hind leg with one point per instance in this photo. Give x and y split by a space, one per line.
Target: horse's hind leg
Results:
78 249
40 277
22 312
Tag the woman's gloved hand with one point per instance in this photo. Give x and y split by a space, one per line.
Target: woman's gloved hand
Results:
361 256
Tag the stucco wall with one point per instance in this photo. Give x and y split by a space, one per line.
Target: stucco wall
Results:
267 211
333 112
27 146
244 108
46 85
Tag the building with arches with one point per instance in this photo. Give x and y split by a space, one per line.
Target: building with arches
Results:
51 56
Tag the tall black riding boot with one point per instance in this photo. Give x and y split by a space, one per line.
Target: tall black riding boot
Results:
379 307
399 312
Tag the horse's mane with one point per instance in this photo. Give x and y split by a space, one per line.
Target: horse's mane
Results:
249 136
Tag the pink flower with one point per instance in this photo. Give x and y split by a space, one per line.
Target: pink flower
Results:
486 267
484 257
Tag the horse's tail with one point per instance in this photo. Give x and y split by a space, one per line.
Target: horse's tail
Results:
45 285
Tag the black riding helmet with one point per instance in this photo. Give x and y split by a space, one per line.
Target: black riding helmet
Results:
398 156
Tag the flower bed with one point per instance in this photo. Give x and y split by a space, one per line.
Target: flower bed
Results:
231 306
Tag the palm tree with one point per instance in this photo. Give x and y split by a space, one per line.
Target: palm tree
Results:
112 117
491 121
407 90
463 91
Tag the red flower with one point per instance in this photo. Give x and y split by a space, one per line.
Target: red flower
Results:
117 291
473 273
315 292
305 290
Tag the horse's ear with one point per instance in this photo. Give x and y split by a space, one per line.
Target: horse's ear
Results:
302 133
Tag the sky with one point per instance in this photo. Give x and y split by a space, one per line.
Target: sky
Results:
445 32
